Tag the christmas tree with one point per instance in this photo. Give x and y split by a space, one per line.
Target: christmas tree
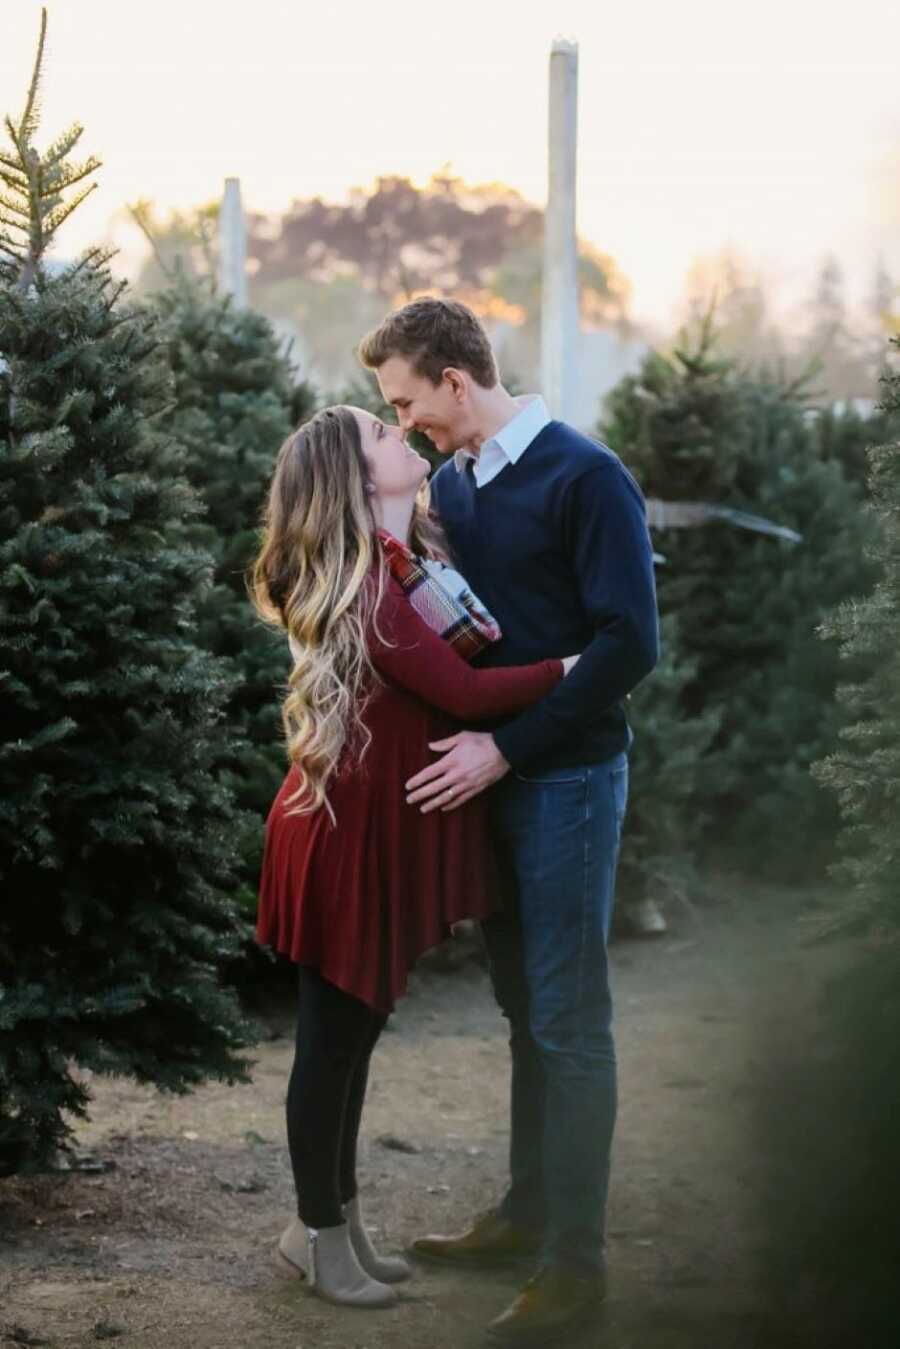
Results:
830 1113
658 860
696 427
235 402
864 771
116 831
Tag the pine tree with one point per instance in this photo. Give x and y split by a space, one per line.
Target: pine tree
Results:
116 832
694 426
658 847
235 402
864 772
829 1116
834 349
843 434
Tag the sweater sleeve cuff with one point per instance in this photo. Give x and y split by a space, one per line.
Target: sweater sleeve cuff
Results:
508 743
516 740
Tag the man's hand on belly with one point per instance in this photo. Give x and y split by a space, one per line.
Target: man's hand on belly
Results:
470 761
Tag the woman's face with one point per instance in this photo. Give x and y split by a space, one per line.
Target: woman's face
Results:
396 469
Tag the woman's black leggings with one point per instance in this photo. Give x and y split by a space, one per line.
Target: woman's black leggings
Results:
336 1034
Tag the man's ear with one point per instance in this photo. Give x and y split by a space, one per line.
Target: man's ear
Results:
457 381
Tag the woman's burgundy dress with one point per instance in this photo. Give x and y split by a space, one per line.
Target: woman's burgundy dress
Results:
362 898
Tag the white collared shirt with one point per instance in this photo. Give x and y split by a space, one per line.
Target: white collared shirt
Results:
510 442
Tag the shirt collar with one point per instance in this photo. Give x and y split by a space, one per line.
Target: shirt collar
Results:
513 439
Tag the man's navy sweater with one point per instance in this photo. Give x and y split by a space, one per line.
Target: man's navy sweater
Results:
556 545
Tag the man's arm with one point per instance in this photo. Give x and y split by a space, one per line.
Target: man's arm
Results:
613 563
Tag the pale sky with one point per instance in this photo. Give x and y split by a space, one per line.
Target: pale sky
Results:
772 128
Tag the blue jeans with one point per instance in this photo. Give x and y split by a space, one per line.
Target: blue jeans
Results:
557 837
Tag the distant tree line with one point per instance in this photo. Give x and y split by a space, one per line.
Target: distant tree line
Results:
330 269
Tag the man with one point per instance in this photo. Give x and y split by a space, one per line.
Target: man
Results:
549 530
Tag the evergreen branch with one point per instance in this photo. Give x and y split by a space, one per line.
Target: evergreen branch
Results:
809 372
31 116
29 158
14 135
116 292
707 328
13 176
58 182
131 317
128 340
62 213
13 165
93 257
8 204
64 145
14 299
17 189
137 213
10 247
34 202
87 258
113 299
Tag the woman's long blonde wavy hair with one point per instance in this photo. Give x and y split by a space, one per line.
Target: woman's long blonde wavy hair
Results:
316 577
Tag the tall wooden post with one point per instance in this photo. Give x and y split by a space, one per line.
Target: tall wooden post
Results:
559 305
233 244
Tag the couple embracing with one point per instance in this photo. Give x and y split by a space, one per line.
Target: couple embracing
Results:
458 744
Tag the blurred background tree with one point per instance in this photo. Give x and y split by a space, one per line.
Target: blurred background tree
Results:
839 354
235 402
658 866
327 272
827 1120
323 272
863 770
832 350
694 425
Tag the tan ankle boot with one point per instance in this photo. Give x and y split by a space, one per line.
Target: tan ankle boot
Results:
325 1257
384 1268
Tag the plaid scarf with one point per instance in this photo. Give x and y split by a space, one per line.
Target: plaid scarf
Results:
441 597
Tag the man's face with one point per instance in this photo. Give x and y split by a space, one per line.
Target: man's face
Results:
441 412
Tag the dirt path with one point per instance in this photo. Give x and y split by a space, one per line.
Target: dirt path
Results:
172 1248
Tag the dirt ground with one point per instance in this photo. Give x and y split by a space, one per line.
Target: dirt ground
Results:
171 1248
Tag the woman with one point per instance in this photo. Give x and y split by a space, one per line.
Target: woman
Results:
355 883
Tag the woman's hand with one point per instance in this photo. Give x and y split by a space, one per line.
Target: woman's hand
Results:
569 663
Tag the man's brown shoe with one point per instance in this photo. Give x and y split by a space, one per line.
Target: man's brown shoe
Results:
555 1300
492 1240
